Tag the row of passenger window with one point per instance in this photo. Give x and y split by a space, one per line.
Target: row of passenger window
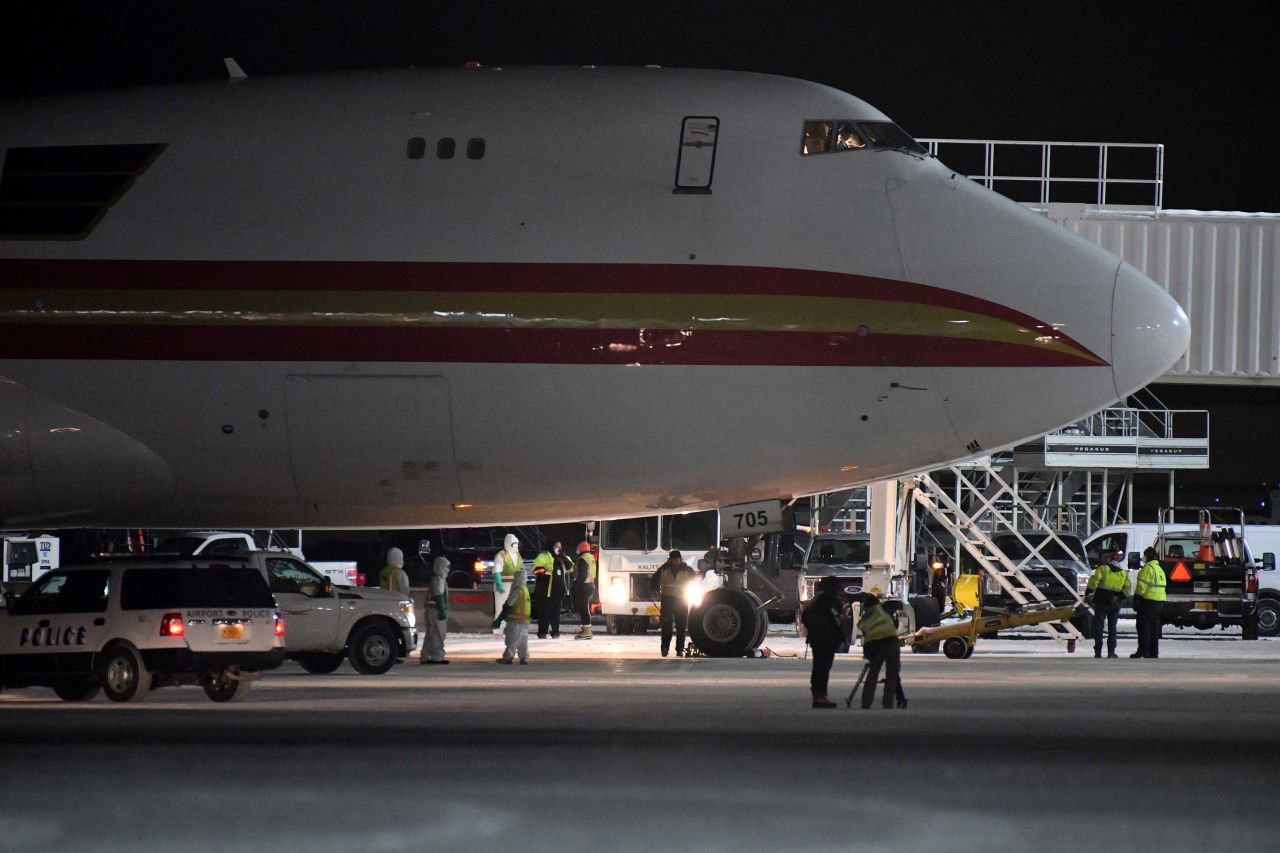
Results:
825 136
446 147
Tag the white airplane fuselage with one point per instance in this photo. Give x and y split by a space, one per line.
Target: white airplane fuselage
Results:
283 319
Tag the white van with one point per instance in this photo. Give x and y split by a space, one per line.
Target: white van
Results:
1261 540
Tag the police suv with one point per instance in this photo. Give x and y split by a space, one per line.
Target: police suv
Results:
125 628
373 627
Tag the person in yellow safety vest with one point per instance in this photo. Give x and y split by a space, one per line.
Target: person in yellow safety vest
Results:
393 576
1148 601
516 613
437 614
670 580
880 648
1109 587
550 572
584 586
505 564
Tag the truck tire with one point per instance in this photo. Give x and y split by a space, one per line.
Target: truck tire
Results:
223 686
927 610
76 691
1268 617
956 648
320 663
725 624
1249 627
372 649
123 675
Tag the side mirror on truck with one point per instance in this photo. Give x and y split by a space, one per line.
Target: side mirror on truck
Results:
1269 561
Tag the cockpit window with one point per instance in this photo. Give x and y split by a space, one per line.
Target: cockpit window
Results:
817 137
825 136
886 134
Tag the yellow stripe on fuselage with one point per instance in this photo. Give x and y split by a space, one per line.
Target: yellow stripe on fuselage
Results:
660 312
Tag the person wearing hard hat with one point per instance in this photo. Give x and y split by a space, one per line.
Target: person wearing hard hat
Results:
393 576
584 586
880 648
437 614
516 614
821 620
669 580
505 564
1109 587
1148 600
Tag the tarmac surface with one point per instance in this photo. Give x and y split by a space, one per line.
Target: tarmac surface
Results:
603 745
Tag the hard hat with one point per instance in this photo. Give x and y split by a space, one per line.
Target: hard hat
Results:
395 557
584 546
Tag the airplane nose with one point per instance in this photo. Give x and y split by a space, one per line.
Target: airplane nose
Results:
1149 331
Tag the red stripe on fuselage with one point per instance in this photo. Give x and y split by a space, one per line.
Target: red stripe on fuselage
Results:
516 346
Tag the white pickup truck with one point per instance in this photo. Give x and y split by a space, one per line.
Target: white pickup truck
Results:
221 543
372 627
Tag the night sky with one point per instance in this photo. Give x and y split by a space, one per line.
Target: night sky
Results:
1196 76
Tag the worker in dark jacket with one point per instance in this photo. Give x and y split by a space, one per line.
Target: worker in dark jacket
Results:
551 572
670 580
881 648
821 620
1109 587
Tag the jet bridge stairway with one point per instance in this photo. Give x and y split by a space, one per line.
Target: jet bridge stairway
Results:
968 530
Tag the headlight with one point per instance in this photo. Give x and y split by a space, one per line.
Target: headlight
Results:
406 607
617 591
693 594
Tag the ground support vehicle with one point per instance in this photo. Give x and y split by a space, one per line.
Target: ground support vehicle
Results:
1211 578
958 638
632 549
1261 544
373 628
125 628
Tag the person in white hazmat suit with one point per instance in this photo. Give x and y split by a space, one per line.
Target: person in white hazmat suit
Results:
505 564
516 614
437 614
393 576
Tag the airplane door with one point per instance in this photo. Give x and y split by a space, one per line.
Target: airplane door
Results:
372 440
696 162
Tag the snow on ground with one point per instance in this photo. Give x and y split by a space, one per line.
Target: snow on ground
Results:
782 639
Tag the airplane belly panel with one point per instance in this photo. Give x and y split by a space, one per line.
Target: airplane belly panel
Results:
371 441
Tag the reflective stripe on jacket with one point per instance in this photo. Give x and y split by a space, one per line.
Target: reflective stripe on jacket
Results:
671 581
1151 581
877 624
1108 576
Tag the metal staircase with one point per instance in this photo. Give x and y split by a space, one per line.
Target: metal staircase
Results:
982 486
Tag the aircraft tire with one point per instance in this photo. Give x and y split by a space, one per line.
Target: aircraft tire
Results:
763 630
726 623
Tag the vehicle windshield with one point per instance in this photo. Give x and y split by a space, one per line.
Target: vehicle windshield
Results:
468 538
831 552
630 534
694 532
1015 550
